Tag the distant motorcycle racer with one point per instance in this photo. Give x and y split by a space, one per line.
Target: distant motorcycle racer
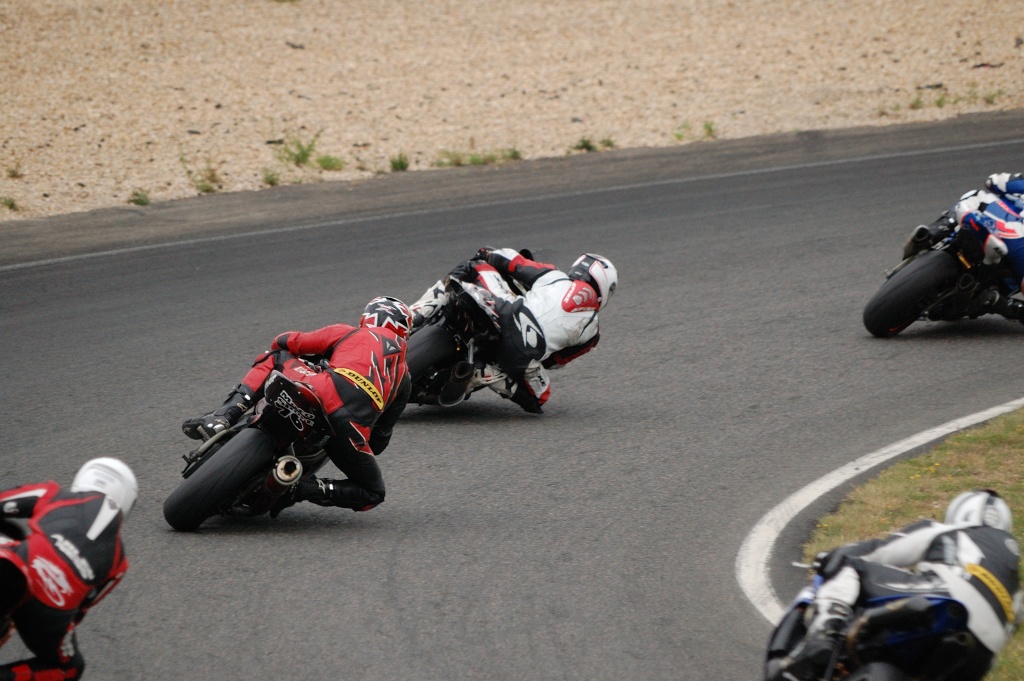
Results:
994 214
551 319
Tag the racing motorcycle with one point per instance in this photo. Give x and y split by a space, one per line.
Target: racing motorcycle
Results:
243 470
946 282
890 638
444 353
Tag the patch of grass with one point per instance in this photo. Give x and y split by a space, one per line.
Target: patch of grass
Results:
454 159
329 162
941 101
991 455
918 103
15 172
271 177
991 97
607 143
482 159
584 145
399 163
450 159
8 203
683 131
710 132
206 181
139 198
296 152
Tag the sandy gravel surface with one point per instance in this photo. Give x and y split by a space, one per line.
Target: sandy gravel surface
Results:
104 99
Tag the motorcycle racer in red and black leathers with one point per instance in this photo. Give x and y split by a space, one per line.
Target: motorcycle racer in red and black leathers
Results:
67 560
362 383
549 318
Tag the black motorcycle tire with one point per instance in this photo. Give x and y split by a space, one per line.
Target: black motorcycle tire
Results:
429 348
218 481
906 294
878 671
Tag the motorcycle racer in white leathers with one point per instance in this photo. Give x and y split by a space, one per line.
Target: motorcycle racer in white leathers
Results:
552 317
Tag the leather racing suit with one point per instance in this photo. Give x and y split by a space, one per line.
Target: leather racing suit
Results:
976 565
70 559
363 389
550 319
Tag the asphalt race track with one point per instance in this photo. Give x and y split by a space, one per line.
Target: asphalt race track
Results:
594 542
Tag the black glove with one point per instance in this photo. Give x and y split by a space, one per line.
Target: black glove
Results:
828 563
483 253
464 271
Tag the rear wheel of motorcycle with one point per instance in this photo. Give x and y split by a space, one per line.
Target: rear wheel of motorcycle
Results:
906 294
428 348
218 481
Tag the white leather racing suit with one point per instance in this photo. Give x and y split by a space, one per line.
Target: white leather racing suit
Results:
566 311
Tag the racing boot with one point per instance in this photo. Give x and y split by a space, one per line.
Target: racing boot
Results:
1011 308
325 492
204 427
925 236
428 305
809 658
524 397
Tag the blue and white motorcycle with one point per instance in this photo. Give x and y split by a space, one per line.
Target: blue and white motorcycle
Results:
890 638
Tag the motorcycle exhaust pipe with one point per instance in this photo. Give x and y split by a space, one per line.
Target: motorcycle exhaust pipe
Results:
454 391
966 283
285 473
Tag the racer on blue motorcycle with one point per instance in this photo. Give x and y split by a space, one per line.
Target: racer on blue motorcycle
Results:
971 557
994 214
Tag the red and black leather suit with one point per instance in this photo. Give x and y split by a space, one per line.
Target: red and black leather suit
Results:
363 391
70 559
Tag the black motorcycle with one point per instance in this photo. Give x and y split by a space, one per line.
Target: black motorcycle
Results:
946 282
245 469
443 353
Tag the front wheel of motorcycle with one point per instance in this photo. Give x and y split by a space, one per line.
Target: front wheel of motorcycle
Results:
218 481
908 293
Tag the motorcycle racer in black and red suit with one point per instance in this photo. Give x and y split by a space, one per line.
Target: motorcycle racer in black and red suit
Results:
68 559
363 388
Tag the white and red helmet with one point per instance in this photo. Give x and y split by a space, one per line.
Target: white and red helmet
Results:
385 312
599 272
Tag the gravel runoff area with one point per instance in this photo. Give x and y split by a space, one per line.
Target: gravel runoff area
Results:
103 102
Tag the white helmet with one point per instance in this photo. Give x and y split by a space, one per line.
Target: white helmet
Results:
599 272
980 507
110 477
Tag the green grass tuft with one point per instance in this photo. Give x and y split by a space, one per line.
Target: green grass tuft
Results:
296 152
329 162
584 145
399 163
